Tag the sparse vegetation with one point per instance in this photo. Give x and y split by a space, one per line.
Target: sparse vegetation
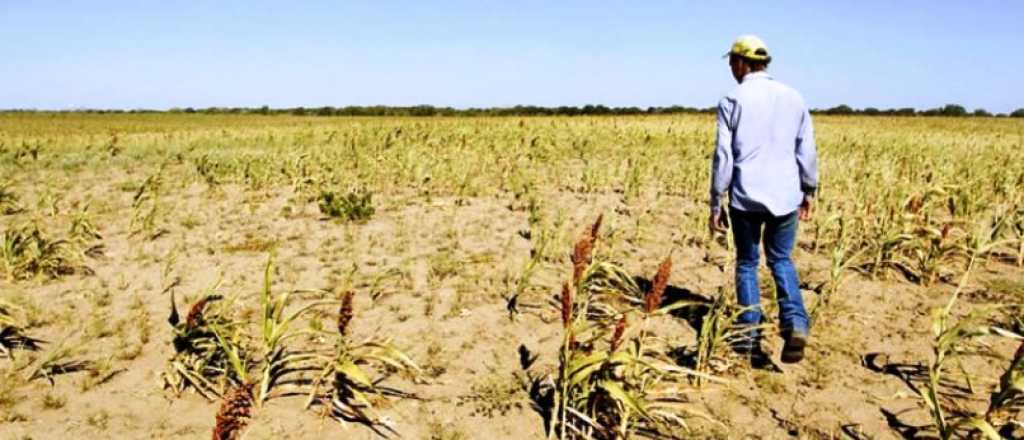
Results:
953 339
27 252
451 241
9 201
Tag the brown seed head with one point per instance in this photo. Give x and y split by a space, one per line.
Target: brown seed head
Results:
596 227
620 329
653 298
345 312
583 253
581 256
566 305
195 314
234 413
914 205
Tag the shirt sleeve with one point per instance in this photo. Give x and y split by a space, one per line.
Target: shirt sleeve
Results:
807 156
722 164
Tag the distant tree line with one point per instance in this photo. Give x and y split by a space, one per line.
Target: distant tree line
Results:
949 110
429 110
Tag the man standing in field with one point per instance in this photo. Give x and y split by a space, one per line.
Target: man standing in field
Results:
765 159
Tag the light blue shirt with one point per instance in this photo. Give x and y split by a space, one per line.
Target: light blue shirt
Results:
765 156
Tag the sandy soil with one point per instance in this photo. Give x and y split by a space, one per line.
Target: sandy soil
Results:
447 308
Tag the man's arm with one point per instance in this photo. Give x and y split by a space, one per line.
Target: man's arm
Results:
722 164
807 161
807 156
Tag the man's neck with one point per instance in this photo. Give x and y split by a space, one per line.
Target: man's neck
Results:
755 74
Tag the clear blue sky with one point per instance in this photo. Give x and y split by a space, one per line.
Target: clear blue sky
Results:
161 54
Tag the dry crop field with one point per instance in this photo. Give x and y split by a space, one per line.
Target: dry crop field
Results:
245 276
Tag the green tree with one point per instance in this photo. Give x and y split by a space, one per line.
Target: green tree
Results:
953 110
841 109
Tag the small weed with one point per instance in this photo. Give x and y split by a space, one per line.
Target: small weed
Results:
769 383
430 304
435 365
8 200
445 431
99 327
52 400
354 206
100 372
495 394
82 227
129 186
1010 290
252 244
9 381
190 221
98 420
443 266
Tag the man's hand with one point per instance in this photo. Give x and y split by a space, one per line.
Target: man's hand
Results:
805 208
717 222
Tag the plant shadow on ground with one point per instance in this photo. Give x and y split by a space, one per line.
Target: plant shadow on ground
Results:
914 376
540 389
694 315
905 430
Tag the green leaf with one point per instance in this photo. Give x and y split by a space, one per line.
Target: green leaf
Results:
237 363
676 306
354 373
581 368
389 355
983 426
618 393
621 357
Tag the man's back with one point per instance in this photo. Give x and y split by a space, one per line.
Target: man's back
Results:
765 158
766 128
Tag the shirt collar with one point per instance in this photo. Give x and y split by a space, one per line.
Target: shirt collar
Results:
756 75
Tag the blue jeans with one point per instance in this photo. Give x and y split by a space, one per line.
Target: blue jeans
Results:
779 238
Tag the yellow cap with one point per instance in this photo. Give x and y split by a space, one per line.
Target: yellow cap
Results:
750 47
